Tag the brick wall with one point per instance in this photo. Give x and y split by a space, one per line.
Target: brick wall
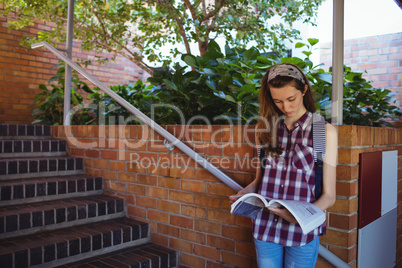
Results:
380 56
188 208
22 70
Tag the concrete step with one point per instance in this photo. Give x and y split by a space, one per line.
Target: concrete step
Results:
31 218
32 148
62 246
15 192
148 255
18 168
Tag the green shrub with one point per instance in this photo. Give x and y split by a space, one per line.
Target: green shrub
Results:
219 88
50 102
110 111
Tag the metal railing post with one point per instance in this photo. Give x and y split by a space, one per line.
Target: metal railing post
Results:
337 63
68 74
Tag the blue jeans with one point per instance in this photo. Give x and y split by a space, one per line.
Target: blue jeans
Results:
271 255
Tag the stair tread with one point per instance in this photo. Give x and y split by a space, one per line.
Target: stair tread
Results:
79 232
26 167
40 158
55 204
159 256
21 191
46 179
23 131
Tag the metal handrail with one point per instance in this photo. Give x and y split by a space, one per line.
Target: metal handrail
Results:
325 253
169 137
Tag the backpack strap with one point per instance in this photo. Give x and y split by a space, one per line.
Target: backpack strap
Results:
261 156
319 151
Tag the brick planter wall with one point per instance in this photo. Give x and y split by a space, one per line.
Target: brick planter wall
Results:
188 208
380 56
23 70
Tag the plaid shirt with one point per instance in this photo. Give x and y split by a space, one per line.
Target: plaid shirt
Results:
291 176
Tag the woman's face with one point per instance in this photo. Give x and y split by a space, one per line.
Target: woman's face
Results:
289 100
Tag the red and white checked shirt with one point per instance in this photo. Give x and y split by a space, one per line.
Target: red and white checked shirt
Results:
291 176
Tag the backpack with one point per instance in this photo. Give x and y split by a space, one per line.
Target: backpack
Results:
318 148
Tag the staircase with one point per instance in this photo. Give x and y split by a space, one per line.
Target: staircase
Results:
54 215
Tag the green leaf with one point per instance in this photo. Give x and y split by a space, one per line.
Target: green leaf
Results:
170 84
209 72
190 60
251 54
213 46
299 45
313 41
325 76
230 98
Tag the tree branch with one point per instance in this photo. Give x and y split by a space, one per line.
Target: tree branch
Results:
125 51
179 24
215 11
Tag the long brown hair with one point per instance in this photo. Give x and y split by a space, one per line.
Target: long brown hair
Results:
266 127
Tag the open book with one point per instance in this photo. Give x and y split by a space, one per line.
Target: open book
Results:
308 216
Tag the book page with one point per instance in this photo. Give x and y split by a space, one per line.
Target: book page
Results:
249 205
308 215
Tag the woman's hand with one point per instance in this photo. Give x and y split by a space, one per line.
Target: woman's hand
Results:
283 213
233 198
251 188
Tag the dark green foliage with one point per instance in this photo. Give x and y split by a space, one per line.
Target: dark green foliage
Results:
140 96
219 88
50 102
367 106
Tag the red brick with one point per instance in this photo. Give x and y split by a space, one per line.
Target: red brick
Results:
172 207
237 260
170 183
207 227
168 230
220 242
116 186
179 172
160 193
135 211
181 245
158 170
143 201
193 236
107 154
158 216
338 238
182 222
181 196
147 179
193 186
117 165
237 233
345 222
136 189
220 216
347 188
192 261
193 211
111 175
209 201
207 252
92 153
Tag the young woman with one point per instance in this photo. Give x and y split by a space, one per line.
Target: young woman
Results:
285 132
